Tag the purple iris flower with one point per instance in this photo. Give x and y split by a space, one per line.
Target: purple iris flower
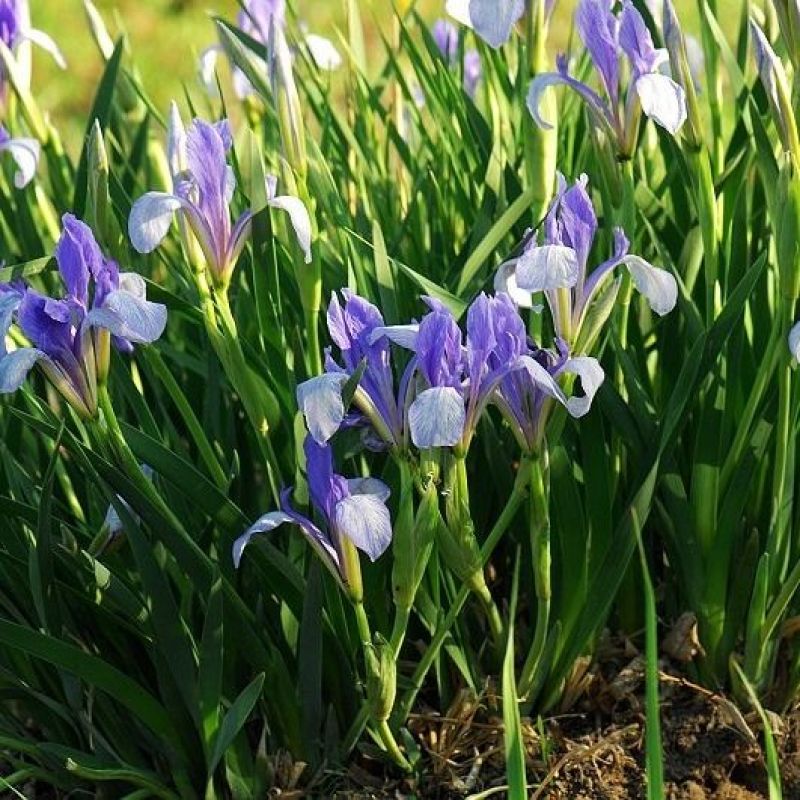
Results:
457 379
521 397
256 19
606 36
25 153
350 511
65 333
352 328
555 263
445 35
492 20
203 188
17 34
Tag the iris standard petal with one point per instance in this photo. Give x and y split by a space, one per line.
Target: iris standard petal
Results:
794 342
299 219
15 366
9 303
78 256
657 285
264 524
637 43
548 267
592 376
25 153
150 219
436 418
663 100
320 400
493 20
599 29
130 317
364 519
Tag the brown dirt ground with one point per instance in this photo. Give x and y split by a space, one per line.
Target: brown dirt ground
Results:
596 752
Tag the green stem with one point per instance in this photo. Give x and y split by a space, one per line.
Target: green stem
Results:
540 546
401 618
515 500
383 729
314 350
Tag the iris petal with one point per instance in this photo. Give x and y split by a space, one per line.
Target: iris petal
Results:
365 520
150 219
663 100
436 418
657 285
320 400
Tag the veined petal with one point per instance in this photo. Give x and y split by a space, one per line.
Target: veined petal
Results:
15 366
9 303
592 376
794 342
663 100
403 335
299 218
150 219
551 266
493 20
369 486
320 400
545 80
41 39
364 519
542 379
265 524
505 282
25 153
657 285
322 50
436 418
130 317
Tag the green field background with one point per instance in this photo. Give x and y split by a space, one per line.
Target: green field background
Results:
166 37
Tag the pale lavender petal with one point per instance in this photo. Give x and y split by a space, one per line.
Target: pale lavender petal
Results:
323 52
436 418
542 379
592 376
130 317
548 267
265 524
9 303
299 219
25 153
663 100
15 366
794 342
402 335
493 20
657 285
505 282
459 11
545 80
369 486
364 519
207 68
320 400
150 219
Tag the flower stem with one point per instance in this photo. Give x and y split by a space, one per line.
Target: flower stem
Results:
515 500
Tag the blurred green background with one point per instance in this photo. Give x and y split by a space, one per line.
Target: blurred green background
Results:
167 36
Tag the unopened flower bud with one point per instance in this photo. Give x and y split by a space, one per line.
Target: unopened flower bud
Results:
381 678
787 230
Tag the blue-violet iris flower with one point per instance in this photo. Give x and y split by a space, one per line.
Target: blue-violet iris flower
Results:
555 263
352 327
522 399
67 333
492 20
203 188
25 153
606 36
445 35
794 342
457 380
351 512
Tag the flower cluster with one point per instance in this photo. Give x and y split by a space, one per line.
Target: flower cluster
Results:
606 36
71 336
202 192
